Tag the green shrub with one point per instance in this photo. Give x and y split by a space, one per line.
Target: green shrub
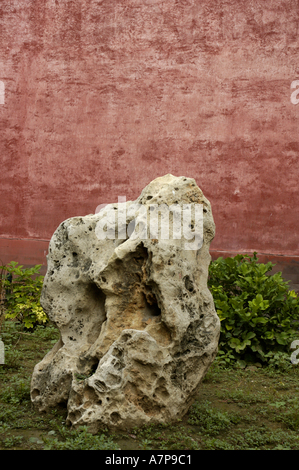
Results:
259 314
22 294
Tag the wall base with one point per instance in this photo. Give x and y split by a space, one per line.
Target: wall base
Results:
31 252
25 252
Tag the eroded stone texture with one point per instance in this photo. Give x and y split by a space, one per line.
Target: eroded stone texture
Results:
138 324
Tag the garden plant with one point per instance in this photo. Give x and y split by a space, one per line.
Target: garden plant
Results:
247 400
259 314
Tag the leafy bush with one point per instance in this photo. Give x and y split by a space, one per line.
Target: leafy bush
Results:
279 361
258 312
22 294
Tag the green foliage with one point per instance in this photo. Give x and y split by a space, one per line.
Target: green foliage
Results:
218 444
279 361
259 314
248 409
17 392
80 439
22 294
262 438
12 441
211 421
47 333
291 419
165 436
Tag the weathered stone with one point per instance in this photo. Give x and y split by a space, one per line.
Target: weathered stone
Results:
138 324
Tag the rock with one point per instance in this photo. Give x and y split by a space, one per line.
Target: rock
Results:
137 322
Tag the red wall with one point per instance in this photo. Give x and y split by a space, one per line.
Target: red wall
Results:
102 96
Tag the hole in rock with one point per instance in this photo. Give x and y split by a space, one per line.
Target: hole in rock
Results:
115 417
94 367
188 284
149 406
95 311
161 389
113 379
35 393
117 353
152 308
90 394
100 386
74 416
161 392
125 337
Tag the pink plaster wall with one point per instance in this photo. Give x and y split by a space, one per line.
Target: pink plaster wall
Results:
102 96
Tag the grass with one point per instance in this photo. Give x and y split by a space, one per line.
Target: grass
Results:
236 409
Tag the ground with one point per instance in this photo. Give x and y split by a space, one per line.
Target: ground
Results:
252 408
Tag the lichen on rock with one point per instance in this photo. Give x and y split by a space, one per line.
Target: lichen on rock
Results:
137 322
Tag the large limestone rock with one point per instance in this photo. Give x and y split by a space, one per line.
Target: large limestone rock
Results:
138 324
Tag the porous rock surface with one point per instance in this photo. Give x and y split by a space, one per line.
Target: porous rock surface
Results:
137 322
